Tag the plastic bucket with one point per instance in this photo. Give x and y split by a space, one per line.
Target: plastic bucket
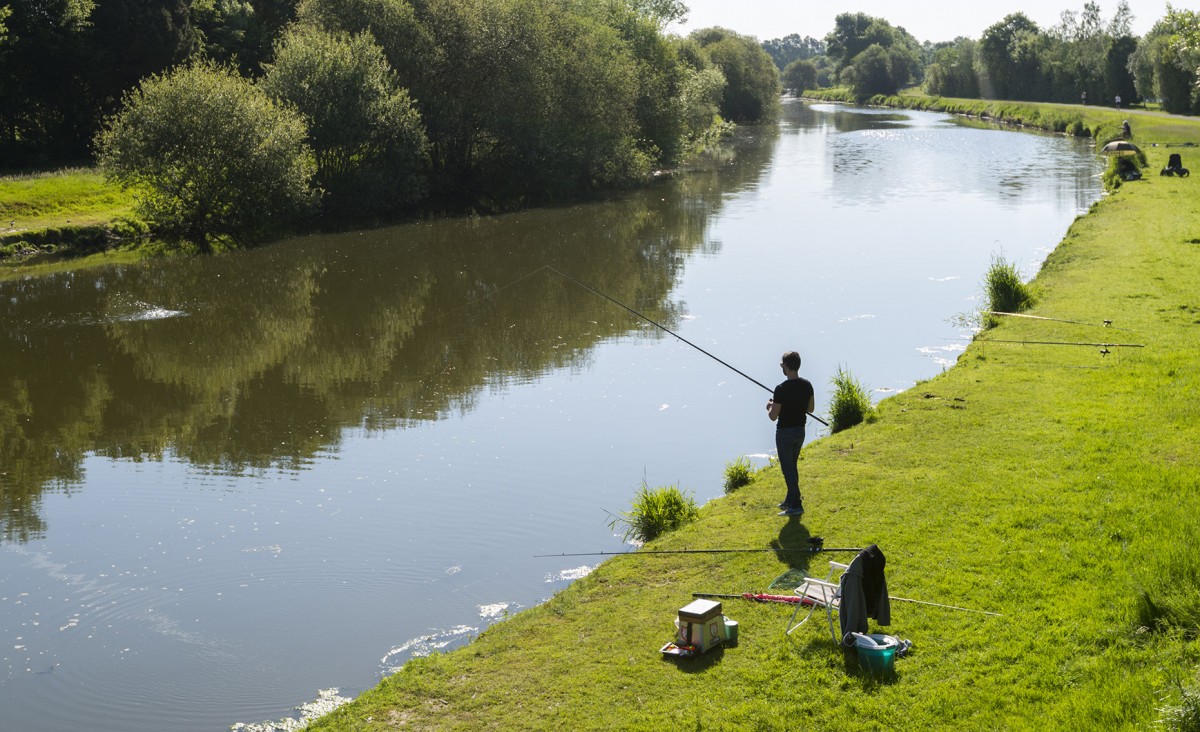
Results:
877 653
877 660
731 631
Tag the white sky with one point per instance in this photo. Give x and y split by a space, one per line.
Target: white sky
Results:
927 20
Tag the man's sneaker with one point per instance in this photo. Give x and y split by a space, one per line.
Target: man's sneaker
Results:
792 511
783 505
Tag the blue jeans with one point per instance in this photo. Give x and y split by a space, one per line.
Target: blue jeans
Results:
787 444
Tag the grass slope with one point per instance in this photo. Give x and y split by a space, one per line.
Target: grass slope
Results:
1052 484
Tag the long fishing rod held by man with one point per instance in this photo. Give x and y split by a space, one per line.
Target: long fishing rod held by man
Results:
667 330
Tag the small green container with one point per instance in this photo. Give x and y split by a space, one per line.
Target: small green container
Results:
731 631
877 660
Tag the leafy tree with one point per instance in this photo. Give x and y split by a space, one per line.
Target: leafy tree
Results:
1164 65
1004 50
368 139
793 48
212 157
1118 79
241 32
44 117
702 89
871 72
853 35
800 75
952 71
131 39
752 80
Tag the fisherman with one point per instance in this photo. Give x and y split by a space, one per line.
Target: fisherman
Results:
788 408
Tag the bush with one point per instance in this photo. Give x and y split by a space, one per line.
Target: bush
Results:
737 474
368 138
850 404
655 511
1005 291
213 158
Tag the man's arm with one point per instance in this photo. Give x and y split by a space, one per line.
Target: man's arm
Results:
773 409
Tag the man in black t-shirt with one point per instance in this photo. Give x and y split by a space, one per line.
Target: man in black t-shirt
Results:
788 409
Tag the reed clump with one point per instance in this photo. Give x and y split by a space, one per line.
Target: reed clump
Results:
737 474
656 511
850 404
1004 290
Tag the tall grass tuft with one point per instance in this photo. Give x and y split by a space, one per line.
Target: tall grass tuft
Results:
737 474
850 404
1005 291
1184 716
655 511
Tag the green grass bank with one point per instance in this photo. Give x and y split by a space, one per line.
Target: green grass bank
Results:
64 219
1054 485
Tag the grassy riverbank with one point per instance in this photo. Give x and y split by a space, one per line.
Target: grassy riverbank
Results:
63 219
1051 484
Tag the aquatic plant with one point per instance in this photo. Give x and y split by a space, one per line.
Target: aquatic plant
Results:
850 404
1004 290
656 511
737 474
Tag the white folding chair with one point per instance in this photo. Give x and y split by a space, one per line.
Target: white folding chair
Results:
816 593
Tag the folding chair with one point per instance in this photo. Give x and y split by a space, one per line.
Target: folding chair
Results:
816 593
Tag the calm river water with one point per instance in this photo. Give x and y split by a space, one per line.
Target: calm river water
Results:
229 483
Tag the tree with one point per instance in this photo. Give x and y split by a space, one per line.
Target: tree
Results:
854 33
1164 65
211 155
793 48
45 114
800 75
752 80
367 136
872 72
241 32
952 70
1004 52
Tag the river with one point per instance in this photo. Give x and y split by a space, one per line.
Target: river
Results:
228 483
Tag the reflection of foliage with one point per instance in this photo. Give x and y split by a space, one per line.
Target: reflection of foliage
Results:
262 359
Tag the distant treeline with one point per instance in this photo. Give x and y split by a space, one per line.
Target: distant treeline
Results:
1084 58
231 117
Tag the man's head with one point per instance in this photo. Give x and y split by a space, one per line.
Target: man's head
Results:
791 361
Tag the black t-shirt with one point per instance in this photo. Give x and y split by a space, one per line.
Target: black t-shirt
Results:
792 396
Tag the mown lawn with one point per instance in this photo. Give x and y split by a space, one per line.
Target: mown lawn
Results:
1056 485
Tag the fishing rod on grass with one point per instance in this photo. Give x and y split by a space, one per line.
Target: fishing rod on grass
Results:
665 329
801 550
800 600
1102 324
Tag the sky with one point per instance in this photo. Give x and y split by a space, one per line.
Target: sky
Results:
927 20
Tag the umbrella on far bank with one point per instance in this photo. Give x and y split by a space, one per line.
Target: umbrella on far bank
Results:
1120 147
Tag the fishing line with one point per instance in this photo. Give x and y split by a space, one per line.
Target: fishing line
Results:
665 329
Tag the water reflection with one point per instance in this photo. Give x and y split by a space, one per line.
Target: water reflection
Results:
263 358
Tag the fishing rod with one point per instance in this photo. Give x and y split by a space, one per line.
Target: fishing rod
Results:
1106 323
665 329
802 550
948 607
798 600
1064 343
760 597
